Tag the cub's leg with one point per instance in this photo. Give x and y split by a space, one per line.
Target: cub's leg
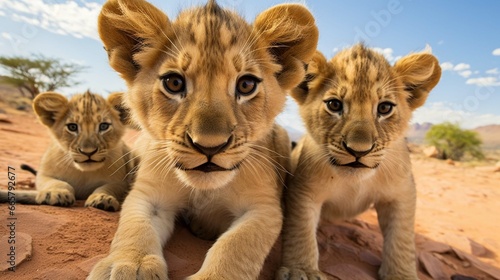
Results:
396 220
146 222
300 249
108 197
52 191
239 253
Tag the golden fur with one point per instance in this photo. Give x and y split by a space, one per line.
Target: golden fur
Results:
205 90
87 158
356 109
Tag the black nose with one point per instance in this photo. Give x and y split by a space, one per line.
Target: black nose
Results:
88 152
355 153
210 151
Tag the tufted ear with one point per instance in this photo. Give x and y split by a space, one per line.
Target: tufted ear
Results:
115 99
318 66
291 36
49 106
129 29
420 73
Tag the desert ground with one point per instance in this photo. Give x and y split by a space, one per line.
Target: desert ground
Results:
457 224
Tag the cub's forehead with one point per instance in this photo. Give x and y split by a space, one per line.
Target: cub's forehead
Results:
88 106
210 37
211 26
361 65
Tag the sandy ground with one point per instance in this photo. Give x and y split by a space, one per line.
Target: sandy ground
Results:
457 226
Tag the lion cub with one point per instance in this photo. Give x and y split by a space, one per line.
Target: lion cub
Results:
205 90
87 158
356 108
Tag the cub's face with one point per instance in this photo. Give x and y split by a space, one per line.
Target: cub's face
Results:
208 86
86 127
357 104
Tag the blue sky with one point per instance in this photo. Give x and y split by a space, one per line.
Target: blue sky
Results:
464 35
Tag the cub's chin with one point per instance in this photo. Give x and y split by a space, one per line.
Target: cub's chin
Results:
87 166
205 180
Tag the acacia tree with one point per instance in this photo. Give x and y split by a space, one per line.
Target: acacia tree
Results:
38 74
453 142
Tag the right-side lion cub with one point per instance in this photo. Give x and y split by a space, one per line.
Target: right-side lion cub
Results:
356 109
205 90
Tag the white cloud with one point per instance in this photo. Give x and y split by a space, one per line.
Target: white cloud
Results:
439 112
388 54
65 18
2 13
483 81
445 66
290 119
493 71
461 67
496 51
6 35
465 74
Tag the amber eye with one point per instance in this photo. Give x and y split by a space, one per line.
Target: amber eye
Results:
247 85
385 108
173 83
73 127
334 105
104 126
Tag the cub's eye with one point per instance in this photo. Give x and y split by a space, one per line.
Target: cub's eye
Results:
385 108
246 85
334 105
104 126
173 83
73 127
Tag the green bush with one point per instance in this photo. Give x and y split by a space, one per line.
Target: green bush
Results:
453 142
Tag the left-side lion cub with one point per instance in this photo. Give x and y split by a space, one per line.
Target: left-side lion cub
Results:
87 158
205 90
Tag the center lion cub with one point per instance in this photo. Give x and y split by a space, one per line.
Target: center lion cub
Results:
356 108
205 90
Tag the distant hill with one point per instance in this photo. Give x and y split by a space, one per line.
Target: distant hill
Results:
416 132
490 134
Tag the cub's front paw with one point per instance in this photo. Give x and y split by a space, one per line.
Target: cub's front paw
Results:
285 273
121 265
103 201
57 197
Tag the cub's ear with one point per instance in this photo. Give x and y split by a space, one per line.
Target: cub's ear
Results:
115 99
291 35
420 73
318 66
131 28
49 106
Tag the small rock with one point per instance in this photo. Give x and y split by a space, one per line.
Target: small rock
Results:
497 167
462 277
22 250
431 152
450 162
347 271
432 265
370 258
466 264
433 246
5 119
480 251
475 262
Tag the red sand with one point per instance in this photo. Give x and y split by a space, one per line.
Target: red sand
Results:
455 205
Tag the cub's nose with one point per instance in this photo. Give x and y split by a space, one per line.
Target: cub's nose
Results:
88 151
209 151
355 153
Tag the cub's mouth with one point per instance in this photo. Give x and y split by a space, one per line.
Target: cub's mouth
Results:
354 164
89 161
207 167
